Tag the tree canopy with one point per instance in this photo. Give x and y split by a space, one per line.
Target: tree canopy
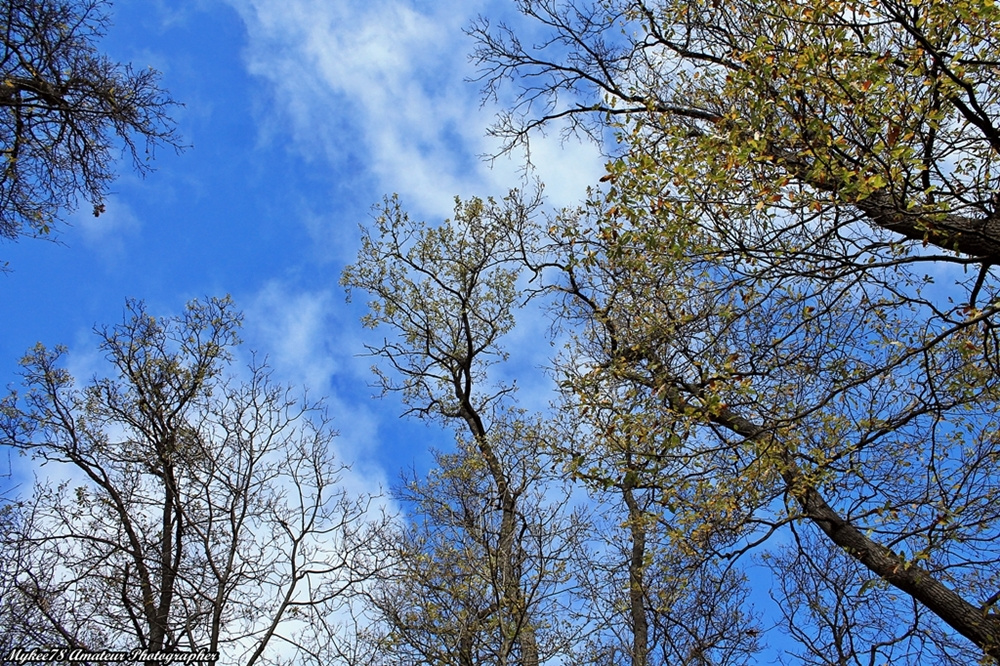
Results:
778 372
783 301
885 110
789 280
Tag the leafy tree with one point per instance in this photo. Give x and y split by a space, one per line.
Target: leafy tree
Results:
646 599
65 109
792 267
885 109
195 512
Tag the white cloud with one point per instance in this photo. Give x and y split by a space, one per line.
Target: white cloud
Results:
292 328
381 86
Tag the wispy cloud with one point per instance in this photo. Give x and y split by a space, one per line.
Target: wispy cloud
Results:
293 328
381 87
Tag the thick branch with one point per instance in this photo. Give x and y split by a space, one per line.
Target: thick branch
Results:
981 628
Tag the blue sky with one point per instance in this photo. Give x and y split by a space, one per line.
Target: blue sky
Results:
300 114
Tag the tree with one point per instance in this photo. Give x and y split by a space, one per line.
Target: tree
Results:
446 599
795 183
647 597
195 512
480 571
491 569
65 109
885 108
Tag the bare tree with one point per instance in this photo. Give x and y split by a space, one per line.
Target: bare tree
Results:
65 109
483 569
195 512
